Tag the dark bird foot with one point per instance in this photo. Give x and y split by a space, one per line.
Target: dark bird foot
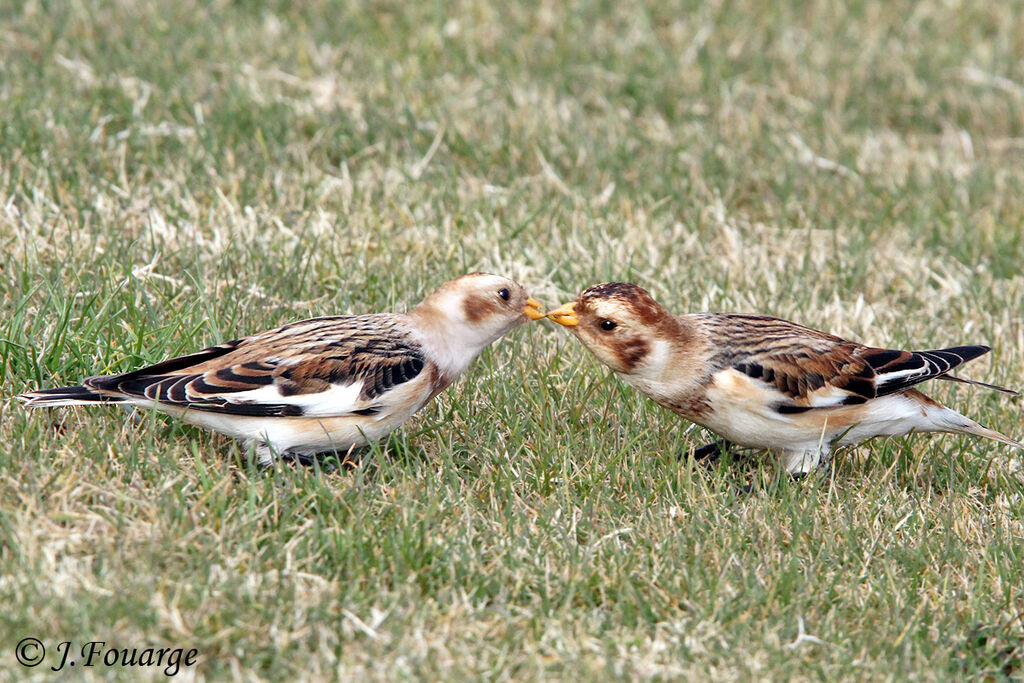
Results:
304 459
328 461
711 453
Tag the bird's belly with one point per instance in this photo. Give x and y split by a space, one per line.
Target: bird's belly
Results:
744 413
754 429
764 427
892 415
298 434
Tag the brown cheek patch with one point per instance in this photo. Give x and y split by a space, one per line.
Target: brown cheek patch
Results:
649 313
476 308
631 351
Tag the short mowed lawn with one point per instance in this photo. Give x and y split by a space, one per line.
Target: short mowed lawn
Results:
175 174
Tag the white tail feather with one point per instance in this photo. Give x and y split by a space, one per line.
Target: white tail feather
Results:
978 430
65 396
948 420
48 402
964 380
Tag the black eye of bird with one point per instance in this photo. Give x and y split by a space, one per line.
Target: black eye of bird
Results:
503 293
608 325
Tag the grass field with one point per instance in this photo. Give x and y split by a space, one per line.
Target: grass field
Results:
176 174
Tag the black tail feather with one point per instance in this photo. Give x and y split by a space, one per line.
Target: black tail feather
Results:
955 355
961 380
59 396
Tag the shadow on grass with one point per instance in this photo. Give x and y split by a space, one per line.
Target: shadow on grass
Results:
991 652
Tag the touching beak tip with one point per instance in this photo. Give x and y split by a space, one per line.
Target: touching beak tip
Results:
564 315
534 310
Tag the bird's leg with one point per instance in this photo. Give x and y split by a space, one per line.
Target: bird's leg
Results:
711 453
348 461
800 465
330 461
304 459
264 456
803 461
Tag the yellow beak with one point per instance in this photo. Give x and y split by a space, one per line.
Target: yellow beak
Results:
565 315
532 309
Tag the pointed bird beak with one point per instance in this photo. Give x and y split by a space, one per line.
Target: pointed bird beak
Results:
565 315
533 309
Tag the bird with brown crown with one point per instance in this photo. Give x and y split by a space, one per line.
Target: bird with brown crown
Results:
325 384
766 383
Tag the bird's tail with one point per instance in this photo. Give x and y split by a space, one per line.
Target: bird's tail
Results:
65 396
979 430
964 380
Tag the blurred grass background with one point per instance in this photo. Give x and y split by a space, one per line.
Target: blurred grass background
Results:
177 174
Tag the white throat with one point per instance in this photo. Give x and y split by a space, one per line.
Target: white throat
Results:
655 377
451 340
454 348
656 362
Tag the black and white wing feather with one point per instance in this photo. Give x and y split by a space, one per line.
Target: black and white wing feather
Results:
811 369
324 367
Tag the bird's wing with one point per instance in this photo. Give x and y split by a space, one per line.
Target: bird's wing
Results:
325 367
811 369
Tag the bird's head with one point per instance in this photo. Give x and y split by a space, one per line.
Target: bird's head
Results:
477 309
622 325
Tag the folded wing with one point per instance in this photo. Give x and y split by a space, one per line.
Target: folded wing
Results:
343 365
811 369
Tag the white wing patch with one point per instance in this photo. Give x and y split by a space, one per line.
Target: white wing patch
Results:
886 378
338 400
826 397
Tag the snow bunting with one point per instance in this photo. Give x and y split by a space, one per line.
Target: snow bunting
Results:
325 384
766 383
